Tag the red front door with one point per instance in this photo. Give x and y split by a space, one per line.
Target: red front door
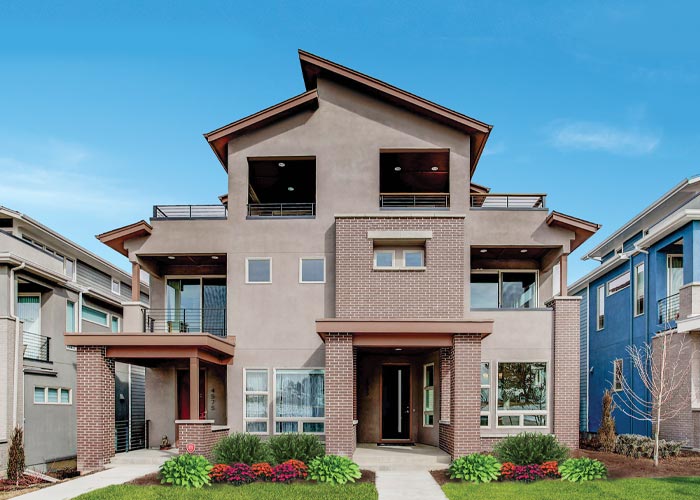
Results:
183 395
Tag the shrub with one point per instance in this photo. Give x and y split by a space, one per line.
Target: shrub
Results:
334 469
300 467
190 471
530 448
606 431
528 473
263 471
284 473
550 469
238 474
217 474
304 447
15 456
637 446
241 448
476 468
582 469
507 470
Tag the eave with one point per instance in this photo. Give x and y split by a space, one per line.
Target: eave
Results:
582 229
115 238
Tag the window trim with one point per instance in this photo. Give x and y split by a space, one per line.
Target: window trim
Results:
46 396
500 273
247 277
616 380
487 412
636 290
65 266
247 419
301 263
299 420
669 258
107 323
111 323
118 290
425 388
522 413
600 300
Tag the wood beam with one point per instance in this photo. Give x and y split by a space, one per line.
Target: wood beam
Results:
135 282
563 271
194 388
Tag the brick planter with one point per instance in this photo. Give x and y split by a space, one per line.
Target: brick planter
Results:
199 436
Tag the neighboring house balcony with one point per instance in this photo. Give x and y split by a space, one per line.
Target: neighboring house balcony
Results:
36 347
495 201
669 310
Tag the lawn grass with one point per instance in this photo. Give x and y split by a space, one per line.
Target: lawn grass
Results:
673 488
255 491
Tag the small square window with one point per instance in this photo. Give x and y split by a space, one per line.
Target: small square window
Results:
312 270
384 258
509 420
40 395
413 258
484 420
116 285
315 427
52 395
258 270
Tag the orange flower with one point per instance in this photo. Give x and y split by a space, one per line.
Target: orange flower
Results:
262 471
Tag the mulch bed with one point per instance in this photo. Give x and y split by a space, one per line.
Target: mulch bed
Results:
368 476
24 482
442 476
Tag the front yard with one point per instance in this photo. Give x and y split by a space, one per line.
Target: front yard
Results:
255 491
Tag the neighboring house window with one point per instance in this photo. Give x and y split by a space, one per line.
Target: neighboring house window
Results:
52 396
70 316
69 268
639 289
312 270
95 316
116 285
522 395
29 312
256 400
115 324
600 308
299 401
504 289
258 270
428 395
619 283
485 393
384 259
618 374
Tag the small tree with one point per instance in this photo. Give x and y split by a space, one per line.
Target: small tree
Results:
606 431
15 457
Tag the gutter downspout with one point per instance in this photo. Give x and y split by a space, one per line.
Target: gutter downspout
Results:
15 375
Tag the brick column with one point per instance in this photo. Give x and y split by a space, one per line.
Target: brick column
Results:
564 410
199 436
94 400
445 436
340 430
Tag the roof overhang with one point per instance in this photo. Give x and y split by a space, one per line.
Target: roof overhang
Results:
582 229
313 66
150 348
115 239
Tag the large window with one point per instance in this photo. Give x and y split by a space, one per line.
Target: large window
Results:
258 270
522 395
485 393
312 270
196 304
256 401
600 308
504 289
639 289
299 401
428 395
95 316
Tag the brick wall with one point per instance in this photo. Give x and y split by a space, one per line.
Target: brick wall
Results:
94 400
436 292
340 400
565 379
200 434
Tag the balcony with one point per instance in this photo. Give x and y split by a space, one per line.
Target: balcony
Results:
187 212
281 209
508 201
669 309
212 321
36 347
414 200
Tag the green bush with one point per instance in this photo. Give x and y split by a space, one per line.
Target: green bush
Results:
530 448
638 446
476 468
304 447
241 448
190 471
578 470
333 469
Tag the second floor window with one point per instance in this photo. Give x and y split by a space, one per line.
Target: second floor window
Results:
258 270
504 289
312 270
600 308
639 289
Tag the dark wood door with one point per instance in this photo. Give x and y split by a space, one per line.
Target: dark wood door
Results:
396 402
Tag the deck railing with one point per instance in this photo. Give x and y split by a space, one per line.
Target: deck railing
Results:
211 321
414 200
36 347
508 201
669 309
281 209
189 212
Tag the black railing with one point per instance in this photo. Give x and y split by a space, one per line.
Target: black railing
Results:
669 309
129 435
36 347
211 321
281 209
414 200
508 201
189 212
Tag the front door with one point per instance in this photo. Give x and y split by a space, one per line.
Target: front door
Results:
396 402
183 396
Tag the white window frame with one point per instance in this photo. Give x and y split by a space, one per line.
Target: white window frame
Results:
116 290
107 323
300 420
247 279
427 412
266 393
600 308
500 273
626 275
522 413
617 382
382 251
301 263
637 290
46 396
669 259
76 322
414 250
486 413
695 381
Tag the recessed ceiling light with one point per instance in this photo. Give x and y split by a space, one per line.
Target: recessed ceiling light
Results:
290 188
398 349
483 250
524 250
281 164
398 169
171 257
215 257
434 169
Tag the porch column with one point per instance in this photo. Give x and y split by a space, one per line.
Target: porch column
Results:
194 388
465 399
135 282
563 272
339 376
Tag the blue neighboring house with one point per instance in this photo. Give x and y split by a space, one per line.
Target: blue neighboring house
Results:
633 295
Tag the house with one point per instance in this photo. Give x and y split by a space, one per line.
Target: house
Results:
352 283
645 285
50 285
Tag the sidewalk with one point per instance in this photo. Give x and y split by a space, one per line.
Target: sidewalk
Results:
412 485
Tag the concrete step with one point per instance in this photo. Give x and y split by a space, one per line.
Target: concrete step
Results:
142 457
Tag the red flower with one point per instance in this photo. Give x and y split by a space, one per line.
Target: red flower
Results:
218 473
239 474
550 469
284 473
300 467
528 473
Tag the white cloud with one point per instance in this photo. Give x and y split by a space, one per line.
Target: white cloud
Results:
601 137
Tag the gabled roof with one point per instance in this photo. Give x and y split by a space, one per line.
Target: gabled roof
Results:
582 229
116 237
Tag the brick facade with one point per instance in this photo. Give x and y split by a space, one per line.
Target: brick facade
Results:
340 399
200 435
94 400
436 292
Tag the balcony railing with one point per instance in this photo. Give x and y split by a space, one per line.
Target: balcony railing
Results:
36 347
211 321
508 201
189 212
414 200
669 309
281 209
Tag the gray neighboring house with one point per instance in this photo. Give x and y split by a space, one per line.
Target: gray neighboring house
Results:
50 285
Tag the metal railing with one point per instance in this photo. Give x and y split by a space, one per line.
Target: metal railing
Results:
508 201
414 200
669 309
36 347
281 209
190 212
129 435
211 321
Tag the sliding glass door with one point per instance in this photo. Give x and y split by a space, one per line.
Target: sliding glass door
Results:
196 305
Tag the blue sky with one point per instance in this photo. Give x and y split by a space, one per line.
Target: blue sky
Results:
103 104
